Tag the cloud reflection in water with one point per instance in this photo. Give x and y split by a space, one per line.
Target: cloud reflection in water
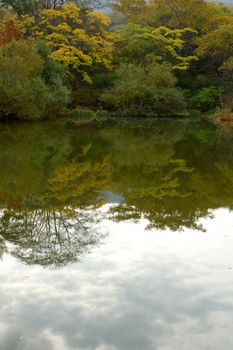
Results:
142 289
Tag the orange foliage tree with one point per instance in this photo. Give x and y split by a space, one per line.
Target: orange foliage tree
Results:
9 30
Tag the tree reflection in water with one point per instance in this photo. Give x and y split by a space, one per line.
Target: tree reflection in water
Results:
52 237
58 222
53 179
160 196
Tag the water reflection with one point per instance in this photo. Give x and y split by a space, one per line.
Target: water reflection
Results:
141 290
54 178
163 279
48 237
48 216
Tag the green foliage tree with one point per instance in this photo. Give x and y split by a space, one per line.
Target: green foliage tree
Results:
24 93
148 91
206 99
216 47
215 50
135 43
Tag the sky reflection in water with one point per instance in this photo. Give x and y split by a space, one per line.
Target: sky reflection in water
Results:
139 290
152 271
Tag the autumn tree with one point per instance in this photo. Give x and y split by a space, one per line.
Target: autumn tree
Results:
31 7
34 7
10 29
142 45
197 14
79 39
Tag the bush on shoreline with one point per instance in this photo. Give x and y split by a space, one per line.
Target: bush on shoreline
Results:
24 93
148 91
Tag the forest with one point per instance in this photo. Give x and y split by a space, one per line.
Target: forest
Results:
128 58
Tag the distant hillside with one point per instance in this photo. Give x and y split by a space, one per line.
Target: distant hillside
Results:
227 2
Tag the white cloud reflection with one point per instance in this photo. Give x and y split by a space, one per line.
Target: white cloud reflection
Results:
140 290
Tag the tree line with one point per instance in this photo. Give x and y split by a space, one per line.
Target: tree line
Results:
133 58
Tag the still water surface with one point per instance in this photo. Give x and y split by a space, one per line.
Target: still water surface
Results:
116 237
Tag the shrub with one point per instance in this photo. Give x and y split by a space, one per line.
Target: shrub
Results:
145 91
24 93
82 113
206 99
58 99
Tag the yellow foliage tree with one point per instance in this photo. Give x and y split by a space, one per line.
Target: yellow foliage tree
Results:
144 45
78 38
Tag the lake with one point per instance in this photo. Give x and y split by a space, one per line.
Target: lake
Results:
116 236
